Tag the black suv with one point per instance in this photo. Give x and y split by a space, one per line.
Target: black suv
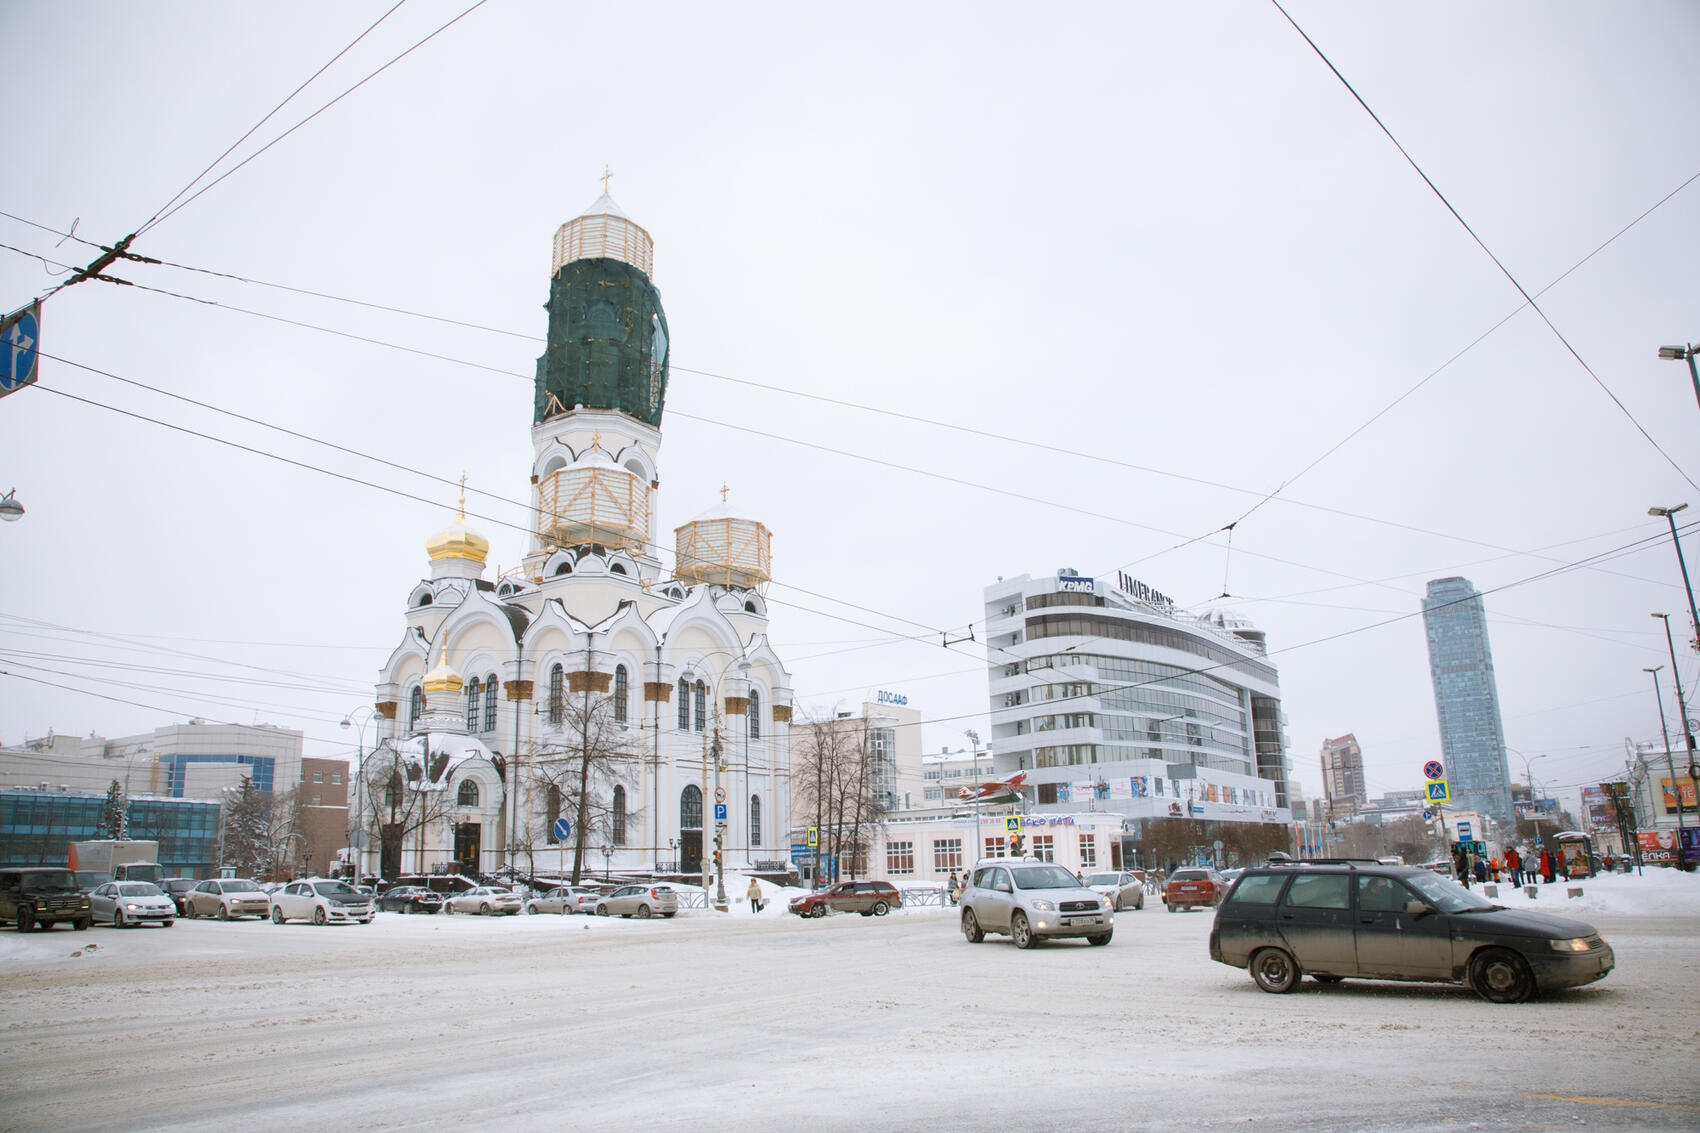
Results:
41 897
1339 919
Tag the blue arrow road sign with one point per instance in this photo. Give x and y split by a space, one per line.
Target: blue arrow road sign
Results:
563 829
20 332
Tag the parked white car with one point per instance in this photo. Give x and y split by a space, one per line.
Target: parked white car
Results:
322 901
565 899
128 903
487 900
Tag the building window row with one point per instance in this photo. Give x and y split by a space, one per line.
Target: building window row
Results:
1118 629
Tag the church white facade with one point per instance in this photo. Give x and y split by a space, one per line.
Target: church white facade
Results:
498 688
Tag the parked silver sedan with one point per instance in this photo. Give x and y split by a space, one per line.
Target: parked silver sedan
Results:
641 901
226 898
565 899
125 904
488 900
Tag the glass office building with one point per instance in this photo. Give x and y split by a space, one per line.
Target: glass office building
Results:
37 828
1466 699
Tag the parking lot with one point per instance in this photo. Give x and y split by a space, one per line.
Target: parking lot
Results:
714 1021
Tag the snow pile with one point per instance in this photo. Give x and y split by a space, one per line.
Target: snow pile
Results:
1654 892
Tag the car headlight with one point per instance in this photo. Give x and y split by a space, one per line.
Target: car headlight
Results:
1043 906
1575 944
132 906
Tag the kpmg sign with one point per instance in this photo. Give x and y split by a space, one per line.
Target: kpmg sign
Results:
1074 584
1138 590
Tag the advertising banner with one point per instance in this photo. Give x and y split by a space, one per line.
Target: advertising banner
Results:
1658 847
1668 791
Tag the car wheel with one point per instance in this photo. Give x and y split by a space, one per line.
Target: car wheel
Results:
83 924
1021 932
1099 941
26 920
819 910
531 910
602 910
1172 909
277 915
643 912
1499 975
223 913
1139 901
484 909
881 908
118 920
167 922
319 915
971 927
1274 970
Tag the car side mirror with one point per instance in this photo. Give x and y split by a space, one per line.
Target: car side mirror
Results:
1417 908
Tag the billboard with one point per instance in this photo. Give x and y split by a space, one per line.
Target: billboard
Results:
1597 810
1667 789
1658 847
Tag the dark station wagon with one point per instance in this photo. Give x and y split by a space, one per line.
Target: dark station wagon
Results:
1338 920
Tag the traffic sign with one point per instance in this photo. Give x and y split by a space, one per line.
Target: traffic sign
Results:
814 837
1428 814
1012 824
1433 770
563 828
720 812
20 332
1464 832
720 794
1437 791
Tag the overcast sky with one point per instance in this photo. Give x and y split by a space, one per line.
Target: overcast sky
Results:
1087 283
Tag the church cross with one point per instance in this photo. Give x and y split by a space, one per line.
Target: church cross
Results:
607 175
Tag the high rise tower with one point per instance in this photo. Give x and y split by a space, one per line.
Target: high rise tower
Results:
1466 698
1343 776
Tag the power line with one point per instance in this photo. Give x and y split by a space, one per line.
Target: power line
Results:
1480 243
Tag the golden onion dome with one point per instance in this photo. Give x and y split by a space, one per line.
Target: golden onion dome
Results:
443 679
457 540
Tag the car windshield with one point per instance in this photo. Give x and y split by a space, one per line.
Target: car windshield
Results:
1189 875
241 887
1446 895
139 889
1045 877
1104 879
51 880
335 889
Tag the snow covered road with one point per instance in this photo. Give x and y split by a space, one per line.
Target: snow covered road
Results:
714 1021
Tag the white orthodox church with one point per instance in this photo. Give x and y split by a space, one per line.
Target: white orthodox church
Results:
498 686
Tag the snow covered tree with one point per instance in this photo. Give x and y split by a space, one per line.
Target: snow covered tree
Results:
246 832
115 817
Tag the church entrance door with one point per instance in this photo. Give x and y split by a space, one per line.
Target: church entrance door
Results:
690 851
468 840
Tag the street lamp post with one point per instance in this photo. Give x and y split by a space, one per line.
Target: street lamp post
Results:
357 835
974 756
1670 762
1683 353
1687 727
1669 514
10 509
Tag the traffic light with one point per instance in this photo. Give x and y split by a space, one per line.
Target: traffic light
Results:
1015 845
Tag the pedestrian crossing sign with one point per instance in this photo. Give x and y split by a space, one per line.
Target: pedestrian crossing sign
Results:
1012 824
1437 791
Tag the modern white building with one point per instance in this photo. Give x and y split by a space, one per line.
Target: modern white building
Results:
477 701
1102 692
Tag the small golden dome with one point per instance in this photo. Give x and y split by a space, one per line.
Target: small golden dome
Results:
443 679
457 540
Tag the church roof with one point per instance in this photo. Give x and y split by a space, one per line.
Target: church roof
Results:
605 206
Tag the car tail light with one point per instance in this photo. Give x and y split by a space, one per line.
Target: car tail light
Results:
655 895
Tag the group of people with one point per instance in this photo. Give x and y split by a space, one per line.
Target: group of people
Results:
1513 866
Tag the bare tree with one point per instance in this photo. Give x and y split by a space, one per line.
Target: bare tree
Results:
584 771
401 803
831 761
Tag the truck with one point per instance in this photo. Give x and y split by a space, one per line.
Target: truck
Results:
115 859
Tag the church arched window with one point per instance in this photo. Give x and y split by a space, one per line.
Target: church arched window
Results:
755 715
621 691
490 702
552 809
618 819
415 707
690 807
699 705
468 795
755 820
474 699
684 703
557 695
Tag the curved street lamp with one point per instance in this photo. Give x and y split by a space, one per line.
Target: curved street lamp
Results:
1683 354
10 509
357 833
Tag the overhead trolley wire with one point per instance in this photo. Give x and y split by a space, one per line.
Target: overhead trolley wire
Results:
1480 243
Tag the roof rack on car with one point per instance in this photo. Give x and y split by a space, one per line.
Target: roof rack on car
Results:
1323 861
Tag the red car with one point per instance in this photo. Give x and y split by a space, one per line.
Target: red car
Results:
1189 887
870 898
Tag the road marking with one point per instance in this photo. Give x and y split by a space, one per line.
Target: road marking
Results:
1614 1101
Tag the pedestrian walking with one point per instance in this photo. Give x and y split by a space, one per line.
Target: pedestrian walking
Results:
951 892
1514 863
1546 866
1481 871
1461 866
1494 868
755 895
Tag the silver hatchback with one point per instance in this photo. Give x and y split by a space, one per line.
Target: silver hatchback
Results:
639 901
1033 901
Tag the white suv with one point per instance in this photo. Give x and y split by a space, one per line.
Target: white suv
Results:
1032 901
